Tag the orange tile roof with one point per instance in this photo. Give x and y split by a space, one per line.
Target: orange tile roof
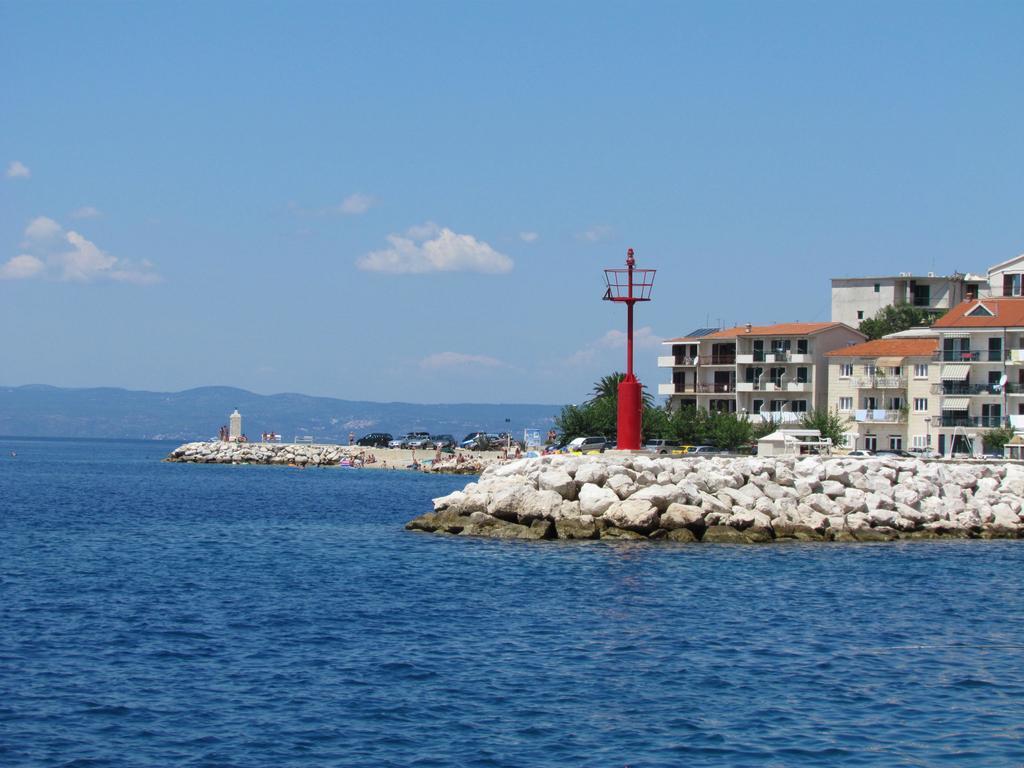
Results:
1007 312
780 329
889 348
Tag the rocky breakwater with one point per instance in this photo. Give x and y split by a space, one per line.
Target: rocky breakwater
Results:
293 454
738 500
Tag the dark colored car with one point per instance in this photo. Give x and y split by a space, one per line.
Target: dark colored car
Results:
442 441
375 440
894 452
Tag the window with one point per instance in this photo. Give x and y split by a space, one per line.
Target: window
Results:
846 370
921 371
878 287
758 406
896 371
980 311
860 314
919 442
801 375
895 403
869 370
870 404
849 440
895 442
922 295
995 349
1011 285
800 406
801 346
920 405
845 403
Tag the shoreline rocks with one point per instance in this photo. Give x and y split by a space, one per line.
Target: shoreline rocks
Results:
326 455
734 500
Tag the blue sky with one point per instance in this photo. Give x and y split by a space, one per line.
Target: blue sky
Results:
413 201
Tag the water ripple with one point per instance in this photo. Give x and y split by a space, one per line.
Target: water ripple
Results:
155 614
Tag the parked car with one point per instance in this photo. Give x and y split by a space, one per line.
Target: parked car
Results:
860 453
442 441
417 440
702 450
587 444
473 441
375 440
661 447
895 452
682 450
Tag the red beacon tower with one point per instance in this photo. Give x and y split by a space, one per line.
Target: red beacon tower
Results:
629 286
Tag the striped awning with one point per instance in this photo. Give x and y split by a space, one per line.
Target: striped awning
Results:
956 403
955 334
957 372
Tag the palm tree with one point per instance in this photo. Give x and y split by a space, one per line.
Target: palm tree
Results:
608 387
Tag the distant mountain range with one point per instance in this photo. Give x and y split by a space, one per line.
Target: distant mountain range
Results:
196 414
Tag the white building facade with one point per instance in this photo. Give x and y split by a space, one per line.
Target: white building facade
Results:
855 299
775 372
884 389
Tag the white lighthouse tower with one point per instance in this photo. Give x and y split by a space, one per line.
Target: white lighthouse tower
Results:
235 426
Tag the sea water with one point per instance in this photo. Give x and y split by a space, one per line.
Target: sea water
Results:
157 614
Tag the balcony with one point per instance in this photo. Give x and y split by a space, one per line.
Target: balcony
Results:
674 361
988 422
1015 355
726 359
798 386
779 417
957 388
877 416
699 389
746 358
1014 388
969 356
787 357
881 382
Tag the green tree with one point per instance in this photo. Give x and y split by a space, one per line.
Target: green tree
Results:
829 423
896 317
729 431
599 414
996 438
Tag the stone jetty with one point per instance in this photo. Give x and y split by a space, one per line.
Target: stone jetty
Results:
734 500
327 455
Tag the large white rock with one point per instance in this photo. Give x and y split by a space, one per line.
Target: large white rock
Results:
661 496
632 515
594 500
621 485
558 480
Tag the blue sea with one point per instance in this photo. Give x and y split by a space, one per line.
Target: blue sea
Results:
157 614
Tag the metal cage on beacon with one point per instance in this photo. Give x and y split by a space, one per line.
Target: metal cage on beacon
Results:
628 284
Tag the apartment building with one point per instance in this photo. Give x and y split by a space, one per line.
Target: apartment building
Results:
1007 277
885 390
855 299
981 381
770 372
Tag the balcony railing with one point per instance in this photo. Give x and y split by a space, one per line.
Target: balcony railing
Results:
881 382
726 359
974 421
689 388
878 415
717 387
958 388
970 355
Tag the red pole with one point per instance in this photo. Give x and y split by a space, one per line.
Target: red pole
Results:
630 393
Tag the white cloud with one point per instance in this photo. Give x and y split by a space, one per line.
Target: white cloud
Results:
71 257
21 267
595 234
86 212
429 248
643 338
356 204
459 360
18 170
528 237
41 229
